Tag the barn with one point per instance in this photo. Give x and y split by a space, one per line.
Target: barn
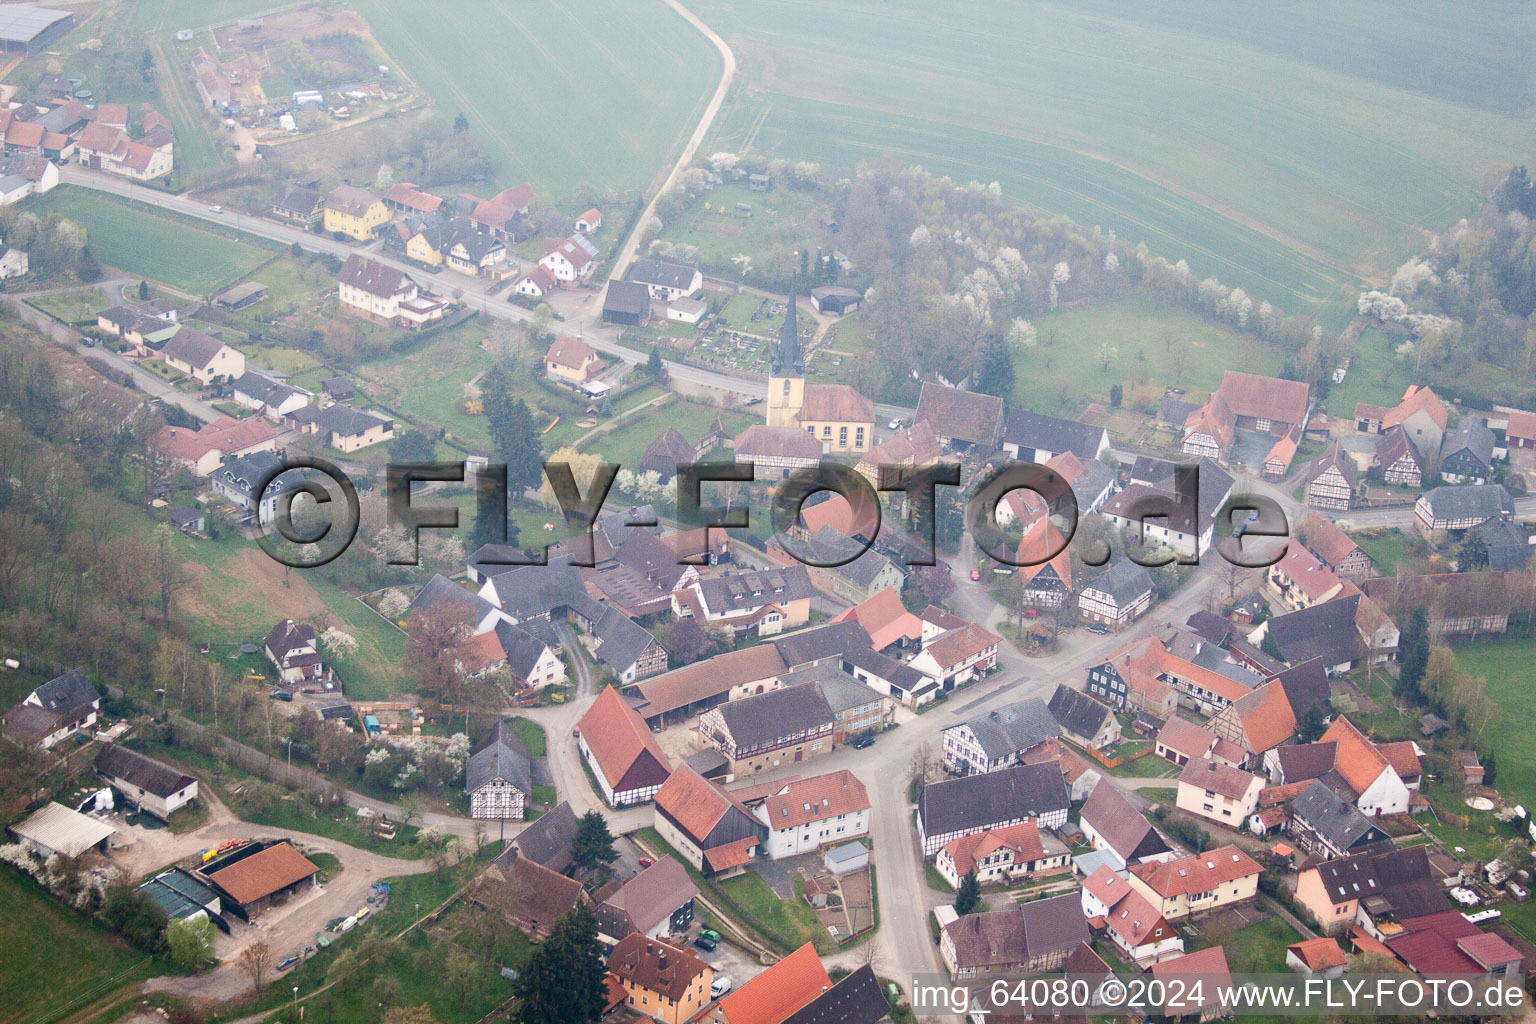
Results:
27 29
255 878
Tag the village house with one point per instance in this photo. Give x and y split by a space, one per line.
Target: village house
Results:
1329 825
1397 461
292 650
527 895
1046 578
1447 945
1084 720
1444 513
298 205
1182 741
1316 956
950 810
1113 825
504 214
1133 924
1335 549
1331 480
347 429
1194 982
572 360
1420 414
1199 883
589 221
754 603
1002 855
354 213
958 655
103 147
1218 792
498 778
913 446
1300 580
657 903
776 452
1029 938
269 397
709 828
886 620
530 661
661 981
768 730
202 357
995 740
383 294
803 815
201 451
1376 778
1333 891
1256 722
1034 437
960 420
1325 631
625 302
405 198
148 785
890 677
1246 401
1466 452
1120 594
622 645
692 689
846 568
1458 603
667 281
1155 512
621 751
570 260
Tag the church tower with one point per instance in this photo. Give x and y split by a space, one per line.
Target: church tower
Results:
786 372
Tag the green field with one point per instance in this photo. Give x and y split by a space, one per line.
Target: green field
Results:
1220 135
602 92
1506 664
1063 368
628 443
38 979
153 244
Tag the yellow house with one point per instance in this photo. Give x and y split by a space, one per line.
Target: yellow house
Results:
355 213
1218 792
421 249
835 414
571 359
1198 883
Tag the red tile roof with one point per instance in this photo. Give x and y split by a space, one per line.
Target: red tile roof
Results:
696 804
1023 839
816 799
570 352
1223 779
225 434
1522 424
884 618
1266 717
1187 738
1266 398
1318 954
1209 966
835 403
656 966
1357 759
1417 397
262 874
622 745
731 855
779 991
952 648
1041 539
1197 873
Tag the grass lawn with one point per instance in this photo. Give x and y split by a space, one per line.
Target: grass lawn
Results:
1376 375
77 306
532 735
1506 664
155 245
935 880
1258 948
38 981
790 922
1063 369
1388 548
628 442
1148 766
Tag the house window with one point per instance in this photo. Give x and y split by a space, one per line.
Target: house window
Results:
786 387
842 437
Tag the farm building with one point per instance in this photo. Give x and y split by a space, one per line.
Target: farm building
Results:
151 785
836 299
627 302
256 880
26 29
57 829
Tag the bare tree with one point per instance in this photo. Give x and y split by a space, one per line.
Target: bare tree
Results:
922 765
255 959
1231 576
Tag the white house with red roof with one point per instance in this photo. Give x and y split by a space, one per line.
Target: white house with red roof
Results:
1132 922
1002 855
804 815
203 450
569 260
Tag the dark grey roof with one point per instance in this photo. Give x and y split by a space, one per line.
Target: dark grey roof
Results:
522 648
1471 435
1324 631
830 545
374 278
759 720
1053 434
1335 819
118 762
1468 501
1306 684
1125 582
347 421
288 635
662 274
547 841
1508 546
707 762
192 347
1077 712
822 642
1119 824
442 594
754 589
338 387
1093 481
841 691
620 642
503 757
786 359
897 673
534 591
857 999
1015 728
627 297
64 693
297 199
1151 471
981 801
241 475
264 389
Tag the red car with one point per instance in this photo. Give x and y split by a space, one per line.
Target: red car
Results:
646 862
975 575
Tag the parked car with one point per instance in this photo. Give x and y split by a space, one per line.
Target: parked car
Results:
710 934
720 986
707 945
1031 613
895 424
1098 627
864 742
215 209
646 862
282 695
975 575
754 400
